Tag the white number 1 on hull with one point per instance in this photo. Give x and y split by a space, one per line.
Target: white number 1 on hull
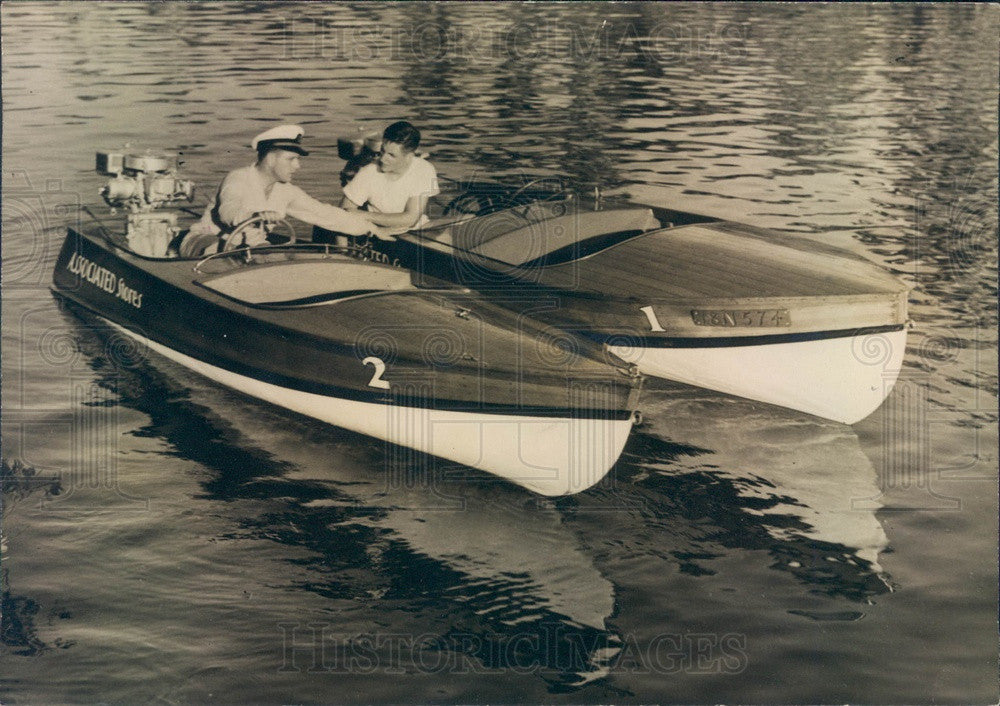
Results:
654 324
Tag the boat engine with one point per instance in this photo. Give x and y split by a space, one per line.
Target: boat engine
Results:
143 183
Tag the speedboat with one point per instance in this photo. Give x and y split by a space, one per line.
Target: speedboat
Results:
699 300
357 344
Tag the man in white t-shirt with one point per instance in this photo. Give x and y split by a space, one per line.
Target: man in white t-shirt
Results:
264 189
395 188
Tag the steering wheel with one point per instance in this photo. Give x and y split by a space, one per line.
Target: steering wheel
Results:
468 203
512 199
238 236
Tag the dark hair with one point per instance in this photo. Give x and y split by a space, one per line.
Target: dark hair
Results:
403 133
263 148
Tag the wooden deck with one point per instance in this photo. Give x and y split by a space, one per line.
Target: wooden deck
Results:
706 261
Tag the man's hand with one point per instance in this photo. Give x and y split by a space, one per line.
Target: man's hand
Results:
269 216
383 233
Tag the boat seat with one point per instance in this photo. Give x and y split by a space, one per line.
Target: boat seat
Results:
197 244
305 281
536 239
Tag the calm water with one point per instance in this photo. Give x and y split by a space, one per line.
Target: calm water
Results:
166 540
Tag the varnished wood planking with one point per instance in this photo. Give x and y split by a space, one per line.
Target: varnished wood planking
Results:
692 272
754 274
698 261
754 268
807 314
817 260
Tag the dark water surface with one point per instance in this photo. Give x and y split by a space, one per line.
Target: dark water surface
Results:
167 540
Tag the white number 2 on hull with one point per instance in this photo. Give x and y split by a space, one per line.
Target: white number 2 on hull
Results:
376 380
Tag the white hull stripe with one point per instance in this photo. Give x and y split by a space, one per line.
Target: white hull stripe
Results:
737 341
551 455
843 379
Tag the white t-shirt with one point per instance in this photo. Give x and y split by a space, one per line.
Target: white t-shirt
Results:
386 195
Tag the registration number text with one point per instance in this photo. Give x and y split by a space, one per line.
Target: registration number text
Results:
741 317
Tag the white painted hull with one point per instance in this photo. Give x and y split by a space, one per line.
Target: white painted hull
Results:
843 379
548 455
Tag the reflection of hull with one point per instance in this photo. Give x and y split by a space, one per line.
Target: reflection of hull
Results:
502 568
530 556
808 486
827 377
336 339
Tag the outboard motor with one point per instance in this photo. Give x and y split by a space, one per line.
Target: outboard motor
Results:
143 183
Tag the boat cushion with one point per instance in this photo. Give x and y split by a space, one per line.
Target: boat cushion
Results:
516 240
273 283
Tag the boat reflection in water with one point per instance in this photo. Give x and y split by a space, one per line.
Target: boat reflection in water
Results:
492 564
800 488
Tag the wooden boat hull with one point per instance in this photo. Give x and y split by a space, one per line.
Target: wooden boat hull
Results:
433 371
720 305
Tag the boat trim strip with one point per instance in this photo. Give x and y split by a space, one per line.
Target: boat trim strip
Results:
733 341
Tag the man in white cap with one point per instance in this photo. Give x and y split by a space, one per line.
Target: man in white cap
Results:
264 189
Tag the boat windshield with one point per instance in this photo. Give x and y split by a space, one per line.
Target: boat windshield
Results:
539 234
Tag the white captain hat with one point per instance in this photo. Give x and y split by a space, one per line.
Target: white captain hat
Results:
283 137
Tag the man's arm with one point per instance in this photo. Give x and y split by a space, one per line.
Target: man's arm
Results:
306 208
357 190
408 218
